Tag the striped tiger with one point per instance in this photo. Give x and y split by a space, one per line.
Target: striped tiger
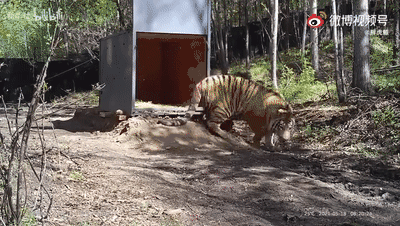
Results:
225 98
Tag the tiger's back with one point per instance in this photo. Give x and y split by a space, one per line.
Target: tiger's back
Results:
229 94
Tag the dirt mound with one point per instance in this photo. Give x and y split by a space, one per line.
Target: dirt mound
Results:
145 133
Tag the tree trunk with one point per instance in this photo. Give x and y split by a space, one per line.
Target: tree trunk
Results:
226 31
263 38
341 61
361 70
274 44
384 7
314 40
246 20
303 43
219 39
264 31
239 2
286 25
226 44
396 46
352 24
121 16
338 66
66 40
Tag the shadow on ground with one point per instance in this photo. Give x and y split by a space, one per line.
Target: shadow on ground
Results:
87 120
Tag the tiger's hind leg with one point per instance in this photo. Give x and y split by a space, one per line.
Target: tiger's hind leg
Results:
227 125
215 128
214 125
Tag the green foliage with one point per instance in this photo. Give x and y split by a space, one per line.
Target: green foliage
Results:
386 116
387 82
296 5
313 133
76 176
259 71
303 87
83 14
28 219
237 67
381 57
170 221
294 87
87 98
366 151
327 46
80 98
390 119
348 56
25 28
381 53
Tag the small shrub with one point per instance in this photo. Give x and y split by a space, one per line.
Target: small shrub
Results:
365 150
386 116
28 219
170 221
76 176
303 87
322 134
260 71
380 52
387 82
327 46
381 57
388 120
237 67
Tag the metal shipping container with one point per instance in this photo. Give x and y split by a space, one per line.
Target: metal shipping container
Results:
161 60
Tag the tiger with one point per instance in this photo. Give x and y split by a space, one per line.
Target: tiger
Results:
225 98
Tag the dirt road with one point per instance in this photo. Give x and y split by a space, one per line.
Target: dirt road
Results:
142 173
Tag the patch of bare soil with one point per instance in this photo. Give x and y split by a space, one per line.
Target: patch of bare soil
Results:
144 173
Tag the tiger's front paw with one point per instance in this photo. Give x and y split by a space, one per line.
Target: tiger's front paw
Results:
256 145
271 147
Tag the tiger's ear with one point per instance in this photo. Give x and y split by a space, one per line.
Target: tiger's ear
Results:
282 111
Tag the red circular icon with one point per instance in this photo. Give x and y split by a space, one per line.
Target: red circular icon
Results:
315 21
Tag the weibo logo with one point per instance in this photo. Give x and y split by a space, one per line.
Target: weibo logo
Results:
315 21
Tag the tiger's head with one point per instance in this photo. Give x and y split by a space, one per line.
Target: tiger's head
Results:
286 119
